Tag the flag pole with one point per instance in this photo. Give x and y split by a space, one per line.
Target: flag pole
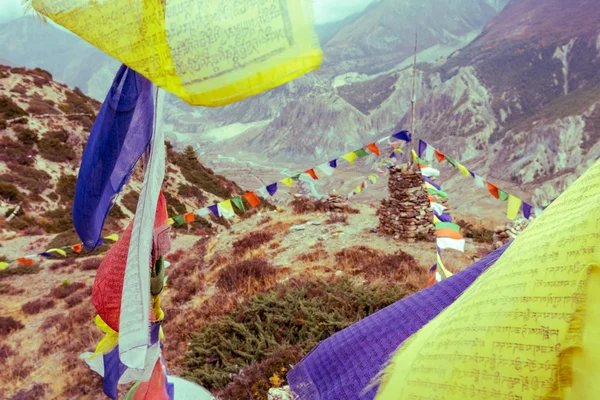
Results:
413 99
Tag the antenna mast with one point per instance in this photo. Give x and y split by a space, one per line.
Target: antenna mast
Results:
414 95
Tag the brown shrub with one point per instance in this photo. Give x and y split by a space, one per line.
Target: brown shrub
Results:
66 289
317 255
10 290
400 267
37 391
91 264
265 220
54 147
65 263
51 321
246 276
75 298
6 351
33 231
251 241
19 370
37 306
337 219
9 109
9 324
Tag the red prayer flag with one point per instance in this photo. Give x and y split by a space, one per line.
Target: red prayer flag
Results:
25 261
311 172
373 148
431 281
252 199
493 190
77 248
440 156
189 217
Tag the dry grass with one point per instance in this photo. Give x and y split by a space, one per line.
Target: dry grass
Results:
66 289
37 306
251 241
248 276
336 218
9 324
374 265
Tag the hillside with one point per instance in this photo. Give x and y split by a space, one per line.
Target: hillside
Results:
44 128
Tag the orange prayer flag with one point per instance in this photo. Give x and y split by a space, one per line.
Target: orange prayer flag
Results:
311 172
373 148
77 248
25 261
448 233
189 217
431 281
422 166
440 156
431 199
493 190
252 199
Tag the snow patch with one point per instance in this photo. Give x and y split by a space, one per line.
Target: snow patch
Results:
562 53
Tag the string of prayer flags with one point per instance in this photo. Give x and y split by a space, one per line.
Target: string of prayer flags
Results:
163 41
514 203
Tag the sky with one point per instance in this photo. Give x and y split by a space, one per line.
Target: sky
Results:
325 10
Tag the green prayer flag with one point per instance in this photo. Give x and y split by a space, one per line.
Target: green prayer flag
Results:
451 161
361 153
439 193
296 177
447 225
179 220
239 203
503 195
421 161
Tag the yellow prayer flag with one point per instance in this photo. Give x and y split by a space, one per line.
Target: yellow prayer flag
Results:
171 221
3 265
539 304
58 251
358 189
414 154
350 157
209 53
287 181
463 169
435 219
514 205
373 178
114 237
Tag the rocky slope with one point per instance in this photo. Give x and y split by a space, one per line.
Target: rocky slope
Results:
44 127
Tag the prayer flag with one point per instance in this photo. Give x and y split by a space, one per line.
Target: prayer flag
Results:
272 189
312 174
402 135
439 193
493 189
432 183
373 148
445 243
239 203
502 195
189 217
226 209
538 211
171 221
252 199
263 192
25 261
77 248
527 210
464 170
447 225
215 210
58 251
326 169
479 182
429 153
360 153
358 189
287 181
3 265
246 48
179 220
296 177
448 233
422 148
514 205
333 163
452 162
440 156
437 208
203 212
373 178
350 157
113 238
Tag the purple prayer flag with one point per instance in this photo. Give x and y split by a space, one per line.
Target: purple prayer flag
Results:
432 183
215 210
272 188
342 366
443 217
527 210
333 163
432 269
422 148
402 135
393 155
472 173
121 134
47 255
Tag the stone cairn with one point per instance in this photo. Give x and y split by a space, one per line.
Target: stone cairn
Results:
406 215
504 234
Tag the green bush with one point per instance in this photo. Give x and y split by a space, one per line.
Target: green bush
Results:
9 109
53 147
28 137
297 313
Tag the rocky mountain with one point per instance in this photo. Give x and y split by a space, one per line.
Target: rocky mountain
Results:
29 42
44 126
